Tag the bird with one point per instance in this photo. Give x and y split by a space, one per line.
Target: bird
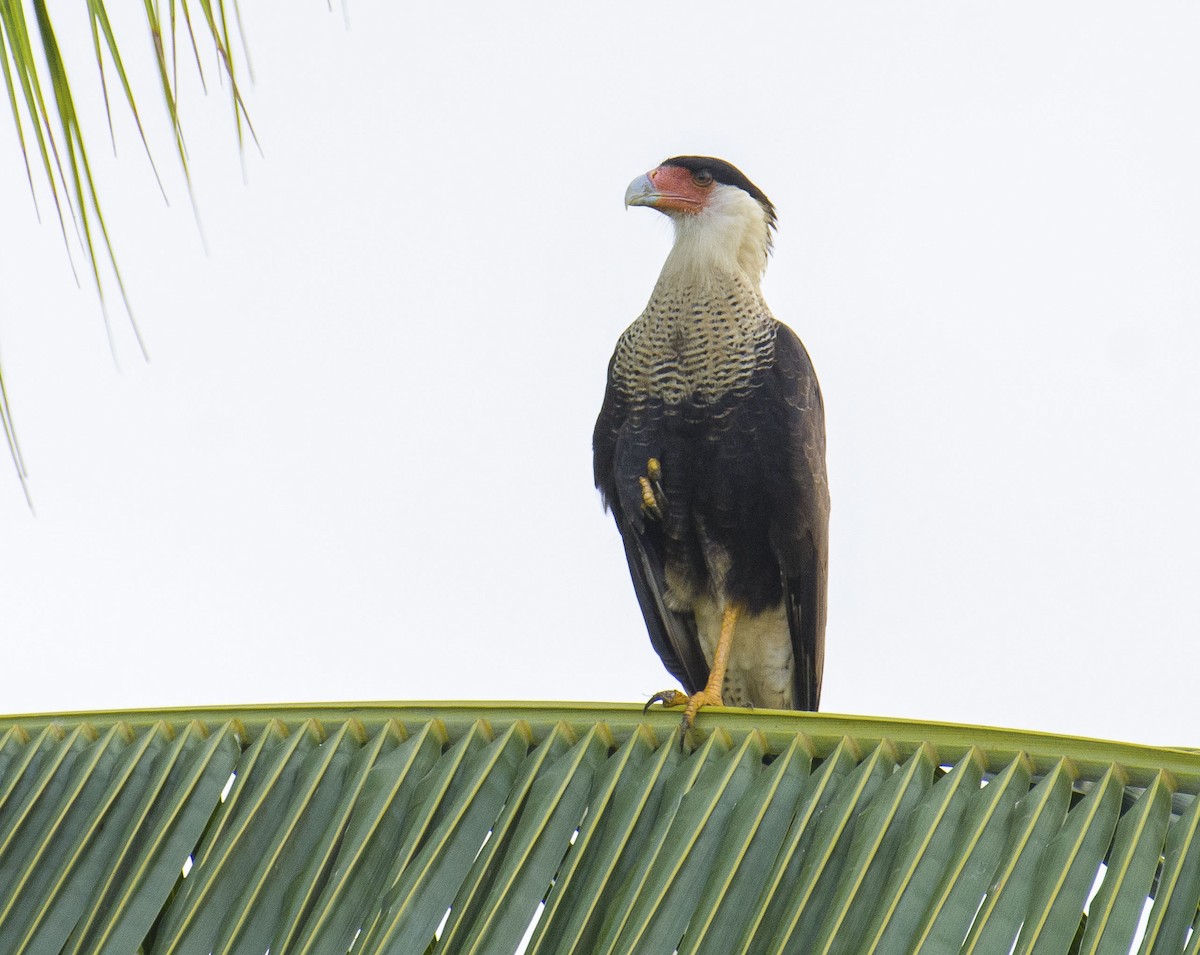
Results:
709 450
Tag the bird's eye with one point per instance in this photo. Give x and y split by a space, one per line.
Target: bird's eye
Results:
702 178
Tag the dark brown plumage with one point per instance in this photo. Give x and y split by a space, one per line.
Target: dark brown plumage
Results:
725 401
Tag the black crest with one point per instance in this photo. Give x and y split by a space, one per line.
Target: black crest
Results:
727 174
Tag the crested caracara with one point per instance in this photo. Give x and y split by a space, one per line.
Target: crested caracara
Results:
710 452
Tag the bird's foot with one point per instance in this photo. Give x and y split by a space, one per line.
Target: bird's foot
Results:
691 704
654 501
705 697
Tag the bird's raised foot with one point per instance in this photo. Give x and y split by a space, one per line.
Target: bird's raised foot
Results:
653 499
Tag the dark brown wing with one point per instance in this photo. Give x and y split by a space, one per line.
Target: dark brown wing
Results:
672 634
620 450
800 537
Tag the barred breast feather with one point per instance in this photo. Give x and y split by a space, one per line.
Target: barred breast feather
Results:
699 343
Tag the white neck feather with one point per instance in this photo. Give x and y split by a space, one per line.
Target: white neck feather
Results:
728 237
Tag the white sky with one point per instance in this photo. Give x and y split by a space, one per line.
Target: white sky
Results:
358 465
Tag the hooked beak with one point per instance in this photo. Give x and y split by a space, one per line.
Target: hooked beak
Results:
641 192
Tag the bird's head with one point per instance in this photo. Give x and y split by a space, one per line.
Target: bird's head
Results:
723 222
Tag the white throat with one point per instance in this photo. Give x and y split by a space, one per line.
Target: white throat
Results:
728 237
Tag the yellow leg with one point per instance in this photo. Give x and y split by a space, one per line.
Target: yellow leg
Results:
711 694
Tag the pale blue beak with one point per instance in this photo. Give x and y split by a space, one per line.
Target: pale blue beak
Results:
641 192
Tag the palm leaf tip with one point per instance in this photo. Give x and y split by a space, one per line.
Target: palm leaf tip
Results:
48 125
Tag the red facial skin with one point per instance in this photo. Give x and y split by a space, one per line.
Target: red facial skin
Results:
678 190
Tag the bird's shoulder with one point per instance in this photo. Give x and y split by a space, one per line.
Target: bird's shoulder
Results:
794 374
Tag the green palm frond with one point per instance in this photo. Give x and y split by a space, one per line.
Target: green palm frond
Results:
48 127
393 828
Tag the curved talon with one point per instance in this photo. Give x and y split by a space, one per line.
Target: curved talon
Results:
649 499
666 698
